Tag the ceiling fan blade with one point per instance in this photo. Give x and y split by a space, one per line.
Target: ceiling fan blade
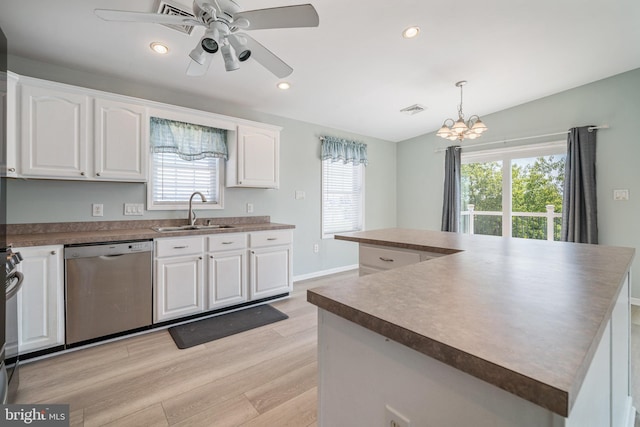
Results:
266 58
196 70
153 18
302 15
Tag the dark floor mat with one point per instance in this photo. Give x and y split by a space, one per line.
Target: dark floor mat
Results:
213 328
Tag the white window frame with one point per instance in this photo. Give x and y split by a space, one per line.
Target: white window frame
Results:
198 119
506 155
329 235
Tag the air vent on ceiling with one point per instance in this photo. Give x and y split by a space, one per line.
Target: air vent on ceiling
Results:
414 109
169 8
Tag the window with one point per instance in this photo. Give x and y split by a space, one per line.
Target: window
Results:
514 192
185 158
342 197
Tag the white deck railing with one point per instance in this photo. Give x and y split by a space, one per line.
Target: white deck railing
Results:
550 214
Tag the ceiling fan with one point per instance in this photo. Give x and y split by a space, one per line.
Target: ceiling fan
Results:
222 20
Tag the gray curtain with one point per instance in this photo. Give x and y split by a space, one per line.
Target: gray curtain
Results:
451 202
579 206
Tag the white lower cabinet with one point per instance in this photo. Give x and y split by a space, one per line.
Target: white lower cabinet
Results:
270 265
227 269
178 281
41 298
227 282
235 271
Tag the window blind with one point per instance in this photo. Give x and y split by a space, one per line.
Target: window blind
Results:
175 179
342 197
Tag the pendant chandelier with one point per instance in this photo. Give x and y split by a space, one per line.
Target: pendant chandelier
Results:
462 129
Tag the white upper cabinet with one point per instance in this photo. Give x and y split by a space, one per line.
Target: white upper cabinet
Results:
8 105
71 133
121 143
54 132
68 132
254 158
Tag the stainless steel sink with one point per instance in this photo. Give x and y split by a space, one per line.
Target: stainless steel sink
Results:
190 227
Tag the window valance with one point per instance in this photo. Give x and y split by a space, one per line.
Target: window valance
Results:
188 141
342 150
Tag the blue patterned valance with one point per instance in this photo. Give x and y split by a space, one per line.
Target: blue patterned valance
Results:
188 141
342 150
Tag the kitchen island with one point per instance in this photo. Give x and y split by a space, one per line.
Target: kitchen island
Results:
496 332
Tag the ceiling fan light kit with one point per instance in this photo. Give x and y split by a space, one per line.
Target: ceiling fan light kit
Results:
461 129
222 20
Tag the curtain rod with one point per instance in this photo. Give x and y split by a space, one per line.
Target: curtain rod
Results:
591 128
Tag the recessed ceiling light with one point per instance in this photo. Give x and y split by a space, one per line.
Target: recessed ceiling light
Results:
410 32
284 85
159 48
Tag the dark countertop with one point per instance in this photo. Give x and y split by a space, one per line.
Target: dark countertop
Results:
524 315
23 235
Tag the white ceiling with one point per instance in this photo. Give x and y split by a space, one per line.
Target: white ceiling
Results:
355 71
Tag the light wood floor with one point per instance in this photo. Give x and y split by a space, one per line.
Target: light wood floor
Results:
263 377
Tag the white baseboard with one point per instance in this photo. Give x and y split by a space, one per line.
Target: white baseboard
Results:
634 301
325 272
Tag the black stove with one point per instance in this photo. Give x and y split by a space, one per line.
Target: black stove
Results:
10 359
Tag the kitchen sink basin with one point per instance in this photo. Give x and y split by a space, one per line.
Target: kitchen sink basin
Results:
190 227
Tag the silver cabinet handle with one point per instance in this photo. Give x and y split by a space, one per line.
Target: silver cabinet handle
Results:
12 169
227 243
386 259
199 257
53 252
211 256
98 174
180 247
272 238
82 173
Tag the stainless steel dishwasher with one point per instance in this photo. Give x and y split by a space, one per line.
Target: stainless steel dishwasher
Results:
108 289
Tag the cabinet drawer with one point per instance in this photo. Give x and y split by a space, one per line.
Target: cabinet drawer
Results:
179 246
270 238
226 242
386 258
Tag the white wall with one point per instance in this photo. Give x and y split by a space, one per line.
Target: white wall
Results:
614 101
33 201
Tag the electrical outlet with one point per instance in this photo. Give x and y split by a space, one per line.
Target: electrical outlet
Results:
316 248
97 209
249 207
394 418
300 195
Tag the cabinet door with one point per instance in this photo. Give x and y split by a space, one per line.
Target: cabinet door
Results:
271 272
41 299
178 287
258 157
121 141
54 133
227 278
8 106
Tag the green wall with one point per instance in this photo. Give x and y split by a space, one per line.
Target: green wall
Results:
32 201
614 101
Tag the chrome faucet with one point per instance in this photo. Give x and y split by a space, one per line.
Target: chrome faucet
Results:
192 214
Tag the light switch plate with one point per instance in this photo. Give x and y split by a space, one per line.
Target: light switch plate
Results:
622 194
133 209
